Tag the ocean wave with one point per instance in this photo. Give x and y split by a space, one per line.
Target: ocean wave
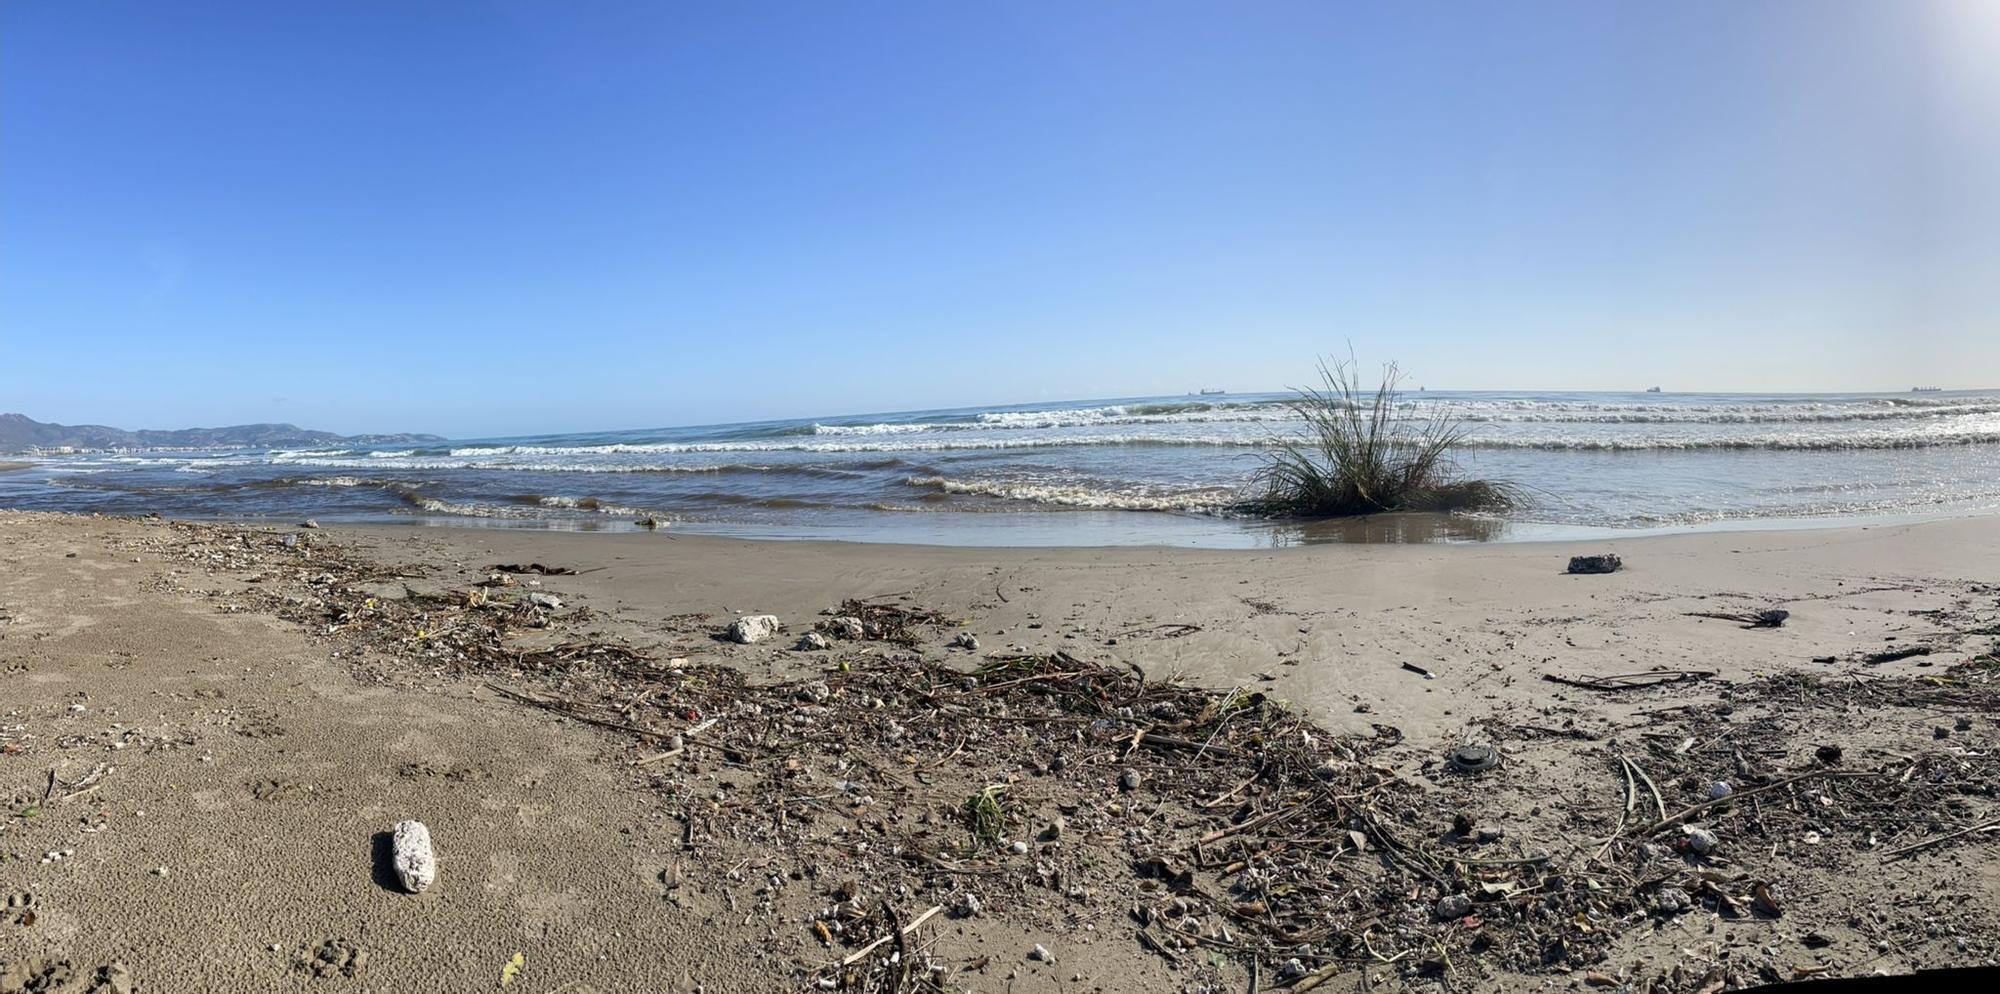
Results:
1481 411
1764 414
330 481
587 504
887 428
437 505
1192 412
496 463
1766 443
597 460
1077 495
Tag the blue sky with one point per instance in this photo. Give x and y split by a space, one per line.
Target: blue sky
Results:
489 218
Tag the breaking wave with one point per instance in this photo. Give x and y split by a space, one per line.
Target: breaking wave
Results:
1079 496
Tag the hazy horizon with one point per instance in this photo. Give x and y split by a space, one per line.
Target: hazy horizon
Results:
482 219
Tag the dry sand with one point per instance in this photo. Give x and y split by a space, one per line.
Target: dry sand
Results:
221 777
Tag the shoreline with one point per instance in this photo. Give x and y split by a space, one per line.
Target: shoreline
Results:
1064 473
1057 528
1409 528
312 687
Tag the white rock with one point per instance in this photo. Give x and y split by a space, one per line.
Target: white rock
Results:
812 642
550 601
416 864
753 628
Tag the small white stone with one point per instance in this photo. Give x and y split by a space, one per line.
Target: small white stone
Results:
416 864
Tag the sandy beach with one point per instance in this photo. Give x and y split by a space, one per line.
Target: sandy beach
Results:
207 729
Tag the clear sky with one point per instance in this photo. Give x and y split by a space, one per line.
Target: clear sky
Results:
482 218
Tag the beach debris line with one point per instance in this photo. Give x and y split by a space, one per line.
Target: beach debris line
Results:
1942 838
535 568
1247 834
1891 655
415 862
1770 618
1630 681
1605 563
870 619
1168 629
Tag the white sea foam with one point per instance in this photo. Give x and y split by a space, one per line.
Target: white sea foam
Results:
900 428
1079 495
437 506
588 504
337 481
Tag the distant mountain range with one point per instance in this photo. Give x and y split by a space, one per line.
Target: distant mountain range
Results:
18 432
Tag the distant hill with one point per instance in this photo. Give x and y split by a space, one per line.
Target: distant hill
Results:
18 432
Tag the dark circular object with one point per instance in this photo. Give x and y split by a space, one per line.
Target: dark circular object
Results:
1474 758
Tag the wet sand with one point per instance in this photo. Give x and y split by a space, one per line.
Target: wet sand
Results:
221 776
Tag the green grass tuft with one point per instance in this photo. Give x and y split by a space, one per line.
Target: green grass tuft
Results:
1368 452
986 816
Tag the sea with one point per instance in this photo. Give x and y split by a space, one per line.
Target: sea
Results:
1134 471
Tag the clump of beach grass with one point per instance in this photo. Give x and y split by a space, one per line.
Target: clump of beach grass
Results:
1368 452
986 815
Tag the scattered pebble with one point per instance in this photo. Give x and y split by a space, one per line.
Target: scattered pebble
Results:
1700 840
